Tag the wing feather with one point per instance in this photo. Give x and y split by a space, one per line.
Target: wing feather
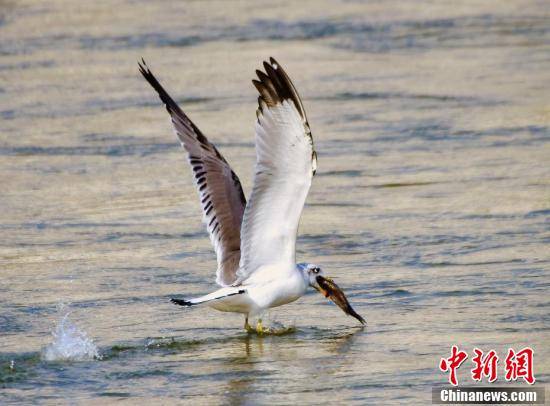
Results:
220 191
285 164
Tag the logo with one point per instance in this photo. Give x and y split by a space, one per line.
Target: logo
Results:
516 365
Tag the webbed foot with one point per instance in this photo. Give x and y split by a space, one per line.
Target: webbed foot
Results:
261 330
248 327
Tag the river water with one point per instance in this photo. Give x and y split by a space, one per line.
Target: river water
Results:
430 206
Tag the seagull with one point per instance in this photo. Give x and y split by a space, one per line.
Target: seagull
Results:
255 242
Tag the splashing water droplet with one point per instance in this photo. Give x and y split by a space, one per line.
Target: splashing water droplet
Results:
69 342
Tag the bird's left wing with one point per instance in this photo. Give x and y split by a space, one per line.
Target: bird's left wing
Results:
285 164
219 188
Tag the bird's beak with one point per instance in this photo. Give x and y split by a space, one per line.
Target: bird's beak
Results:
333 292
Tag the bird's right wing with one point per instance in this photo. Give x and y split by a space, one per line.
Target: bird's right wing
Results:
219 188
285 165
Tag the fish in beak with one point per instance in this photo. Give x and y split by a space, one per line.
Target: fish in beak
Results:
333 292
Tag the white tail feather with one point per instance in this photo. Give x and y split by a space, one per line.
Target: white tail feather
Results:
218 294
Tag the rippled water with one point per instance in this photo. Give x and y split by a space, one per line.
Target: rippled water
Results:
431 205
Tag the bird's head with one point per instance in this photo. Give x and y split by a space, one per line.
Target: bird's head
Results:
328 288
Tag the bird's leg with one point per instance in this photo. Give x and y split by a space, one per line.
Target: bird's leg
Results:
247 326
260 327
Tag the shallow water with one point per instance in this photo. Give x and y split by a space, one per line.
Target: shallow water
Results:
431 205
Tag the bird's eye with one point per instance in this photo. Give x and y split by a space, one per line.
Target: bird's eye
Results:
315 270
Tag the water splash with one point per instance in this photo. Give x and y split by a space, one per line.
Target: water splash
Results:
69 342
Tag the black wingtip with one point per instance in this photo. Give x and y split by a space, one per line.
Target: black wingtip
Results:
275 86
143 68
169 103
181 302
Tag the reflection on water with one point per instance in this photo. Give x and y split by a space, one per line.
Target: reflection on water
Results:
430 205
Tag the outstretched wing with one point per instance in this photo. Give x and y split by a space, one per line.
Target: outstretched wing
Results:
220 190
285 164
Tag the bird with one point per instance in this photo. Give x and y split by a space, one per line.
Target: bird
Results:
255 240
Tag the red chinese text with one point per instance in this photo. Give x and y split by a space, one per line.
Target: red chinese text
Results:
485 365
452 363
520 365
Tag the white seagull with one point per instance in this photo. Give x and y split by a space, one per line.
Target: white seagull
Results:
255 243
